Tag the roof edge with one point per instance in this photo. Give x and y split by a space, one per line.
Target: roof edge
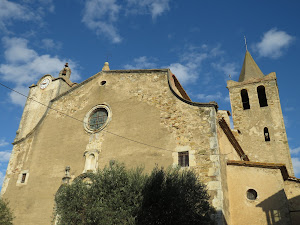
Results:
279 166
136 71
199 104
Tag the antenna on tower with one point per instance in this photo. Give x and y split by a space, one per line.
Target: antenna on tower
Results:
246 43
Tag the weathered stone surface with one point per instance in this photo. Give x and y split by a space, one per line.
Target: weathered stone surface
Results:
150 121
251 122
143 109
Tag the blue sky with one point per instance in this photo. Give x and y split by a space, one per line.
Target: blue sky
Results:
201 41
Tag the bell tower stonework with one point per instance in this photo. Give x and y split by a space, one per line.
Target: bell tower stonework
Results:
39 97
257 115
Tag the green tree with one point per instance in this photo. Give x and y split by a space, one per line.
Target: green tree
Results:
115 195
6 216
172 197
110 196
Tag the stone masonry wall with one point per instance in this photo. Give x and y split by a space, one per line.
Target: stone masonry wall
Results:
251 122
143 109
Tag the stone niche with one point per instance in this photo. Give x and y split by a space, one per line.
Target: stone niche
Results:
91 161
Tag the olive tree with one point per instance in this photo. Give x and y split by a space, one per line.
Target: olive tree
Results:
116 195
6 216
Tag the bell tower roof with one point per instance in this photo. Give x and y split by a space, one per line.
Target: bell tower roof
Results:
250 69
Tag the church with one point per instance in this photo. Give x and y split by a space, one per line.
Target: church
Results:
145 117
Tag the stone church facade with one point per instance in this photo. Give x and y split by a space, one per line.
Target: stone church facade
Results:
145 117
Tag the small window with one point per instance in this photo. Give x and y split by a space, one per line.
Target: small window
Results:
245 99
23 177
251 194
183 159
262 96
266 134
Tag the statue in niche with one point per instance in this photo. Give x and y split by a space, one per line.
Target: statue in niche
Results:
91 159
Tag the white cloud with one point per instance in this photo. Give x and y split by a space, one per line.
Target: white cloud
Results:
289 109
100 16
10 11
43 5
295 150
189 65
226 68
286 121
19 99
17 50
48 43
2 175
28 10
211 97
142 62
216 51
25 66
188 68
4 156
227 98
273 43
184 73
154 7
296 165
3 142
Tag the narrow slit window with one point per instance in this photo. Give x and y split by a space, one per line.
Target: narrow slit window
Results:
183 159
245 99
263 102
266 134
23 178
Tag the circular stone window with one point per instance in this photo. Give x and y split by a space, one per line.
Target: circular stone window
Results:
97 118
251 194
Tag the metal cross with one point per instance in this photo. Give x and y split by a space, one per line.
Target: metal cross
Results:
245 43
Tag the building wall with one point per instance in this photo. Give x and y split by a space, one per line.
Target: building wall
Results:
227 152
143 108
33 110
292 190
251 122
271 205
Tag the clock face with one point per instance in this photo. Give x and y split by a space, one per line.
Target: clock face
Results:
44 83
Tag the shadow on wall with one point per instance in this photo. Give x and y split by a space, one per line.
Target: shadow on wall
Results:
294 204
278 209
222 219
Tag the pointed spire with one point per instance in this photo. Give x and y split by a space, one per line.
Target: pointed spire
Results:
250 69
105 67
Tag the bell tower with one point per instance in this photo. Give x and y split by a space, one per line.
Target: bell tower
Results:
39 97
257 115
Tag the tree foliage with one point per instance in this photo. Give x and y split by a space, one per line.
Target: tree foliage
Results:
174 197
115 195
6 216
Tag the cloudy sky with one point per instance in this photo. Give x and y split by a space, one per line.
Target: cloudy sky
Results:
201 41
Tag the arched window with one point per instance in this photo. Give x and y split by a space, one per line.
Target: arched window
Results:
266 134
262 96
245 99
